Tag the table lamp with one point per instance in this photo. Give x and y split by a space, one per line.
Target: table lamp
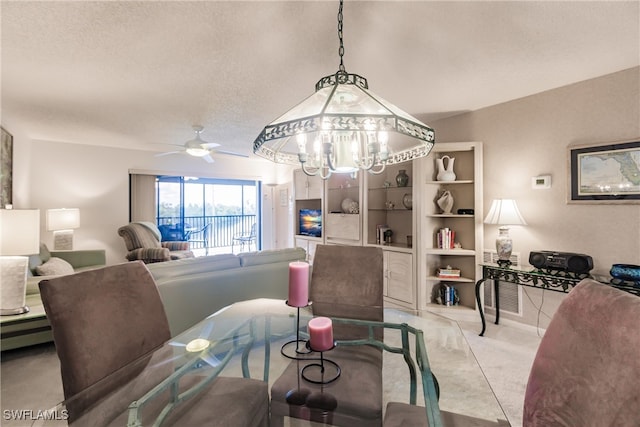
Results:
504 212
62 222
19 237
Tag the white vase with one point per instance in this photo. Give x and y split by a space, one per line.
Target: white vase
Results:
445 202
445 172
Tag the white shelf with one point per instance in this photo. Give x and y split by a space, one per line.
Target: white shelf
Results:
446 279
454 252
467 192
461 181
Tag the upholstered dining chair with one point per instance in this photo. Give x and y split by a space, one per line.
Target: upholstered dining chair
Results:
586 370
109 321
346 282
143 242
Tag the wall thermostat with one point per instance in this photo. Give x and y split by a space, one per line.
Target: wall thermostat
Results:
541 182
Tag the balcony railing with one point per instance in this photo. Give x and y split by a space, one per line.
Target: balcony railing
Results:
219 235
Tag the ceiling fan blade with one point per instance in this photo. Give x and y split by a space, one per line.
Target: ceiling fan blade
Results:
231 153
167 153
208 158
209 145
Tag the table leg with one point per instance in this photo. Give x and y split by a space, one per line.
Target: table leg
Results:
496 293
479 302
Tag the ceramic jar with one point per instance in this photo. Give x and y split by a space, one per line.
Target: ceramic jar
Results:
407 201
445 171
402 179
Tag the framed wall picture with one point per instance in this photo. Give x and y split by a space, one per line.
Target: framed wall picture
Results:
605 173
6 169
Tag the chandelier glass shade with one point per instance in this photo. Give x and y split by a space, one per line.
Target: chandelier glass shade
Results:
344 127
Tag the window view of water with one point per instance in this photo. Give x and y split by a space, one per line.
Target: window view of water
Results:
210 213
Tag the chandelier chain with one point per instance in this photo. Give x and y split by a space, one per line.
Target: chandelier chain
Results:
340 36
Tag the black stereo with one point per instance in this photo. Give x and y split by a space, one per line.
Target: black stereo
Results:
567 261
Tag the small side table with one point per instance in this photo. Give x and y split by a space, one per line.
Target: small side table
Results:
552 280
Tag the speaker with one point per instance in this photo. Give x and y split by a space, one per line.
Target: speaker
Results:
566 261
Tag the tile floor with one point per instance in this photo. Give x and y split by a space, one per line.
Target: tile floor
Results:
30 378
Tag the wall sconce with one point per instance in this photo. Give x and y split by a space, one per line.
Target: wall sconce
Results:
62 222
19 237
504 212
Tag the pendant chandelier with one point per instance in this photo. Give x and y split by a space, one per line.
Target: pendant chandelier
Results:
344 127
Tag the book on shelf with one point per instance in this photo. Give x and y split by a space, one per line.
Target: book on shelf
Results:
448 273
446 238
448 295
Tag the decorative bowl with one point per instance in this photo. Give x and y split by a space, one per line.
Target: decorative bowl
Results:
626 272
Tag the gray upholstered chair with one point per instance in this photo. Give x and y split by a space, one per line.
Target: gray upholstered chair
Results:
346 282
143 242
586 370
106 325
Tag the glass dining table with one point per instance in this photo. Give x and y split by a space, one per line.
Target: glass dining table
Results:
427 362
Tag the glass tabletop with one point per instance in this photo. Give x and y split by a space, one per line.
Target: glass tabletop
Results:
251 339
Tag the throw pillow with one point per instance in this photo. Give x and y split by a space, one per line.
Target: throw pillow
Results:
54 267
45 255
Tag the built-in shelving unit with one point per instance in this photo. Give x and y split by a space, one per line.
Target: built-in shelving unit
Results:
412 257
391 205
467 194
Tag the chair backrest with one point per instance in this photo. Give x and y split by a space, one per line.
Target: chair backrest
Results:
138 235
587 366
102 320
347 281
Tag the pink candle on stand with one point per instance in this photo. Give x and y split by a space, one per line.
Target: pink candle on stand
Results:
298 284
320 334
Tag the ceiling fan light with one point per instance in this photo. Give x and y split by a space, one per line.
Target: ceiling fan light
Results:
197 152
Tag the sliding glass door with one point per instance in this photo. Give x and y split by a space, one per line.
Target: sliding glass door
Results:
212 213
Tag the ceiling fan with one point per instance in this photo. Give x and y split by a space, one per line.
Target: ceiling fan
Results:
197 147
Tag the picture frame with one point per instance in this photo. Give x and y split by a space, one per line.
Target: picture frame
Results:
605 173
6 169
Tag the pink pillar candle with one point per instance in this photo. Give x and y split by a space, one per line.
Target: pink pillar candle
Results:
320 334
298 284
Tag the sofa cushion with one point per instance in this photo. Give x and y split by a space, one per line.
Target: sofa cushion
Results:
270 256
197 265
55 266
38 259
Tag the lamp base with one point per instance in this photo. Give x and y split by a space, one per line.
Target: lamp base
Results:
13 311
13 285
504 246
63 240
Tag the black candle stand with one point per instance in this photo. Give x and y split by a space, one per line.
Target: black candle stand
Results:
313 366
297 341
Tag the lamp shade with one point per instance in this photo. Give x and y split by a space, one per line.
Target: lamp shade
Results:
19 231
63 219
504 212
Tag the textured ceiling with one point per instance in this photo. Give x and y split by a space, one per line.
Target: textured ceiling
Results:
139 74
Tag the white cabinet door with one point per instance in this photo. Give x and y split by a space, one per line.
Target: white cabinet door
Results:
306 187
314 187
398 273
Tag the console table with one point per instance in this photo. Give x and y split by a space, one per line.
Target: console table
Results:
552 280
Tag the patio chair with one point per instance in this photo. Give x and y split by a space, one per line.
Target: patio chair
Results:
201 236
245 239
